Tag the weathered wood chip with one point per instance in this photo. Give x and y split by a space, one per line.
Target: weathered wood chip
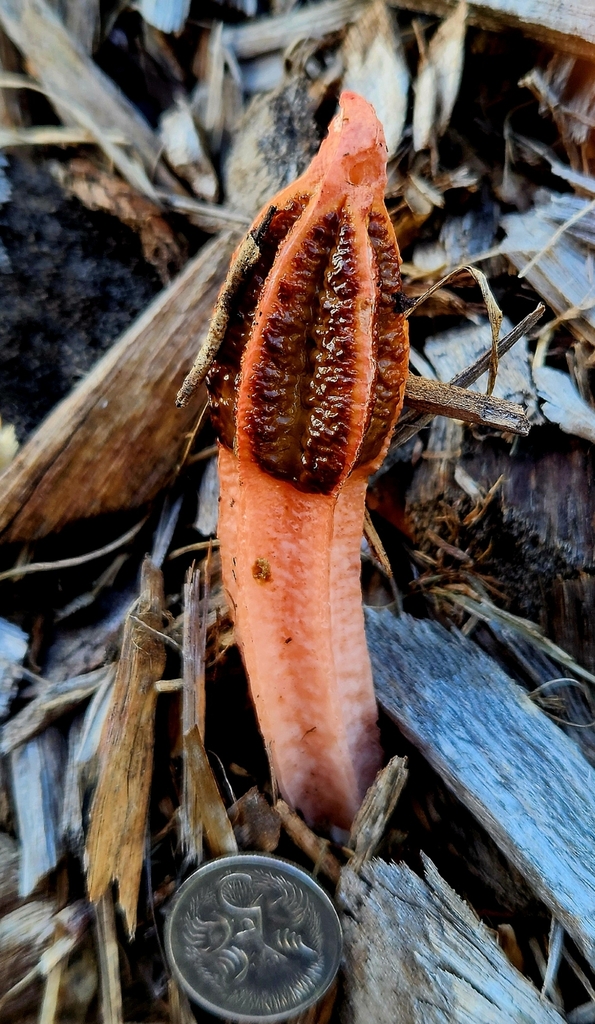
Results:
524 780
116 837
415 953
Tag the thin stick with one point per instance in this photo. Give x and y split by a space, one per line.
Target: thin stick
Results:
472 373
308 842
201 545
109 968
69 563
221 214
438 399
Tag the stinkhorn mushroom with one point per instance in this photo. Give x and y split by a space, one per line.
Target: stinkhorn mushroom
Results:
305 390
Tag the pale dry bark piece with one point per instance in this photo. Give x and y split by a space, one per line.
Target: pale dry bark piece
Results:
447 53
114 442
424 106
523 779
563 404
196 600
166 15
186 152
71 824
265 35
560 274
82 19
81 91
417 954
9 445
51 135
37 769
208 501
567 27
376 68
439 77
116 837
13 648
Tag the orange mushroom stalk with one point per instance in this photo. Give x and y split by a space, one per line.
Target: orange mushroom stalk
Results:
304 391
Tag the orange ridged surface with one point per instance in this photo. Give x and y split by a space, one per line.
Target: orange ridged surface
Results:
316 358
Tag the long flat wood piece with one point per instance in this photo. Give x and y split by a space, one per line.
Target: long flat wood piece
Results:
524 780
567 25
114 441
416 954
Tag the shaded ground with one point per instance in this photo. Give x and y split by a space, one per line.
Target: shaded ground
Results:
74 281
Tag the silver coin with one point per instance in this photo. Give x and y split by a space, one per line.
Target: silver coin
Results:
253 938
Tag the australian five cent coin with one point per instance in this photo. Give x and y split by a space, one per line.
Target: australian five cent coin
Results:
253 938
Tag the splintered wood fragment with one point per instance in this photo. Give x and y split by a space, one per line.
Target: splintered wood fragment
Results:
432 396
114 441
108 960
37 770
416 953
210 809
118 816
524 780
308 842
247 255
568 27
196 603
373 816
58 699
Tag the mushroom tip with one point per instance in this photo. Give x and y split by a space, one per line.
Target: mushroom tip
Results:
355 143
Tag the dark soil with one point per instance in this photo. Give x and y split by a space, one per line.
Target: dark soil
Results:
76 279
